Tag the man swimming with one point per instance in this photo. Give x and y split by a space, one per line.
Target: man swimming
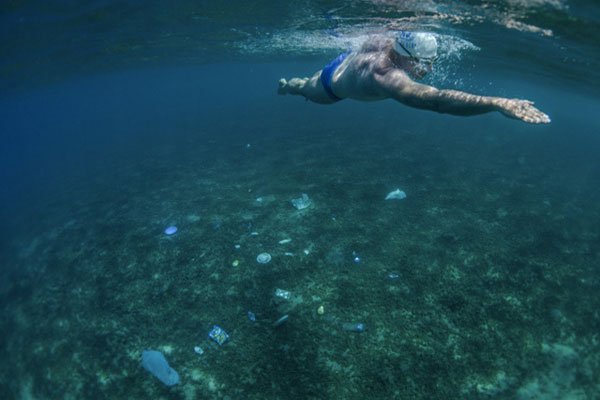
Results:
384 67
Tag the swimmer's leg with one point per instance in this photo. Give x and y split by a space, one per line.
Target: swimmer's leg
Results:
295 86
310 88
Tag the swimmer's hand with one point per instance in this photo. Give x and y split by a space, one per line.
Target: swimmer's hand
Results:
523 110
282 86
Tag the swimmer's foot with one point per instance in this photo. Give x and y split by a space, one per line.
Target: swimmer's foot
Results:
523 110
282 87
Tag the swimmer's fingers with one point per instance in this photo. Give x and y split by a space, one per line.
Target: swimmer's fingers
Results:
525 111
529 113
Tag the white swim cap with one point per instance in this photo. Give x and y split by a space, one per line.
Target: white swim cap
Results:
416 44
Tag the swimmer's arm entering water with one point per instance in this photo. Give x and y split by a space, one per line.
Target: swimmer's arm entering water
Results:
398 85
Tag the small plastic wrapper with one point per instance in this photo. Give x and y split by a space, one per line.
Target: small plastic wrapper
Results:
283 294
218 334
302 202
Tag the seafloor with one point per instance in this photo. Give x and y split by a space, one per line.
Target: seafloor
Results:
495 253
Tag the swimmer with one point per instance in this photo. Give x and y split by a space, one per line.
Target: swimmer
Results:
384 67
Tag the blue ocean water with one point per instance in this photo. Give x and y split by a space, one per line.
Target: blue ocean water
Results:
121 119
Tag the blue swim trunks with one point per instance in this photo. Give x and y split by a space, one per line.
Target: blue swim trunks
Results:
327 74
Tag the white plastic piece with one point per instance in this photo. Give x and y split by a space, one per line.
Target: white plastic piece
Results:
263 258
396 195
302 202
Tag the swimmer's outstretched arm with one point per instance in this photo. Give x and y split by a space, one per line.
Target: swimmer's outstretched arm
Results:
398 85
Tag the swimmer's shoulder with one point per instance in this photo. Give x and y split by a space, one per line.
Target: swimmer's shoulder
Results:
376 43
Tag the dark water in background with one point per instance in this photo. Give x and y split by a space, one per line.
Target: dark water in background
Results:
119 119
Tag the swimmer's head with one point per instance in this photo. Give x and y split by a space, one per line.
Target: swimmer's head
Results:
419 45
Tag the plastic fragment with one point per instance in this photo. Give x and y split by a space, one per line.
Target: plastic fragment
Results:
281 320
302 202
263 258
155 362
283 294
218 334
396 195
171 230
357 327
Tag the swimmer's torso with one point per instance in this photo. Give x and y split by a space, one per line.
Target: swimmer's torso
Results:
355 77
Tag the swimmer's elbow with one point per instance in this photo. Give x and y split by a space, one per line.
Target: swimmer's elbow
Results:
398 86
420 96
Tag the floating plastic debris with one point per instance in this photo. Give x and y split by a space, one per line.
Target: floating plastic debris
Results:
357 327
356 258
321 310
198 350
302 202
155 362
393 275
283 294
306 251
281 320
285 241
263 258
396 195
235 263
237 247
288 254
254 233
251 316
218 335
170 230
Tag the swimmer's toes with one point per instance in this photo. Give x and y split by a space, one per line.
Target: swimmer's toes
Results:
282 86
